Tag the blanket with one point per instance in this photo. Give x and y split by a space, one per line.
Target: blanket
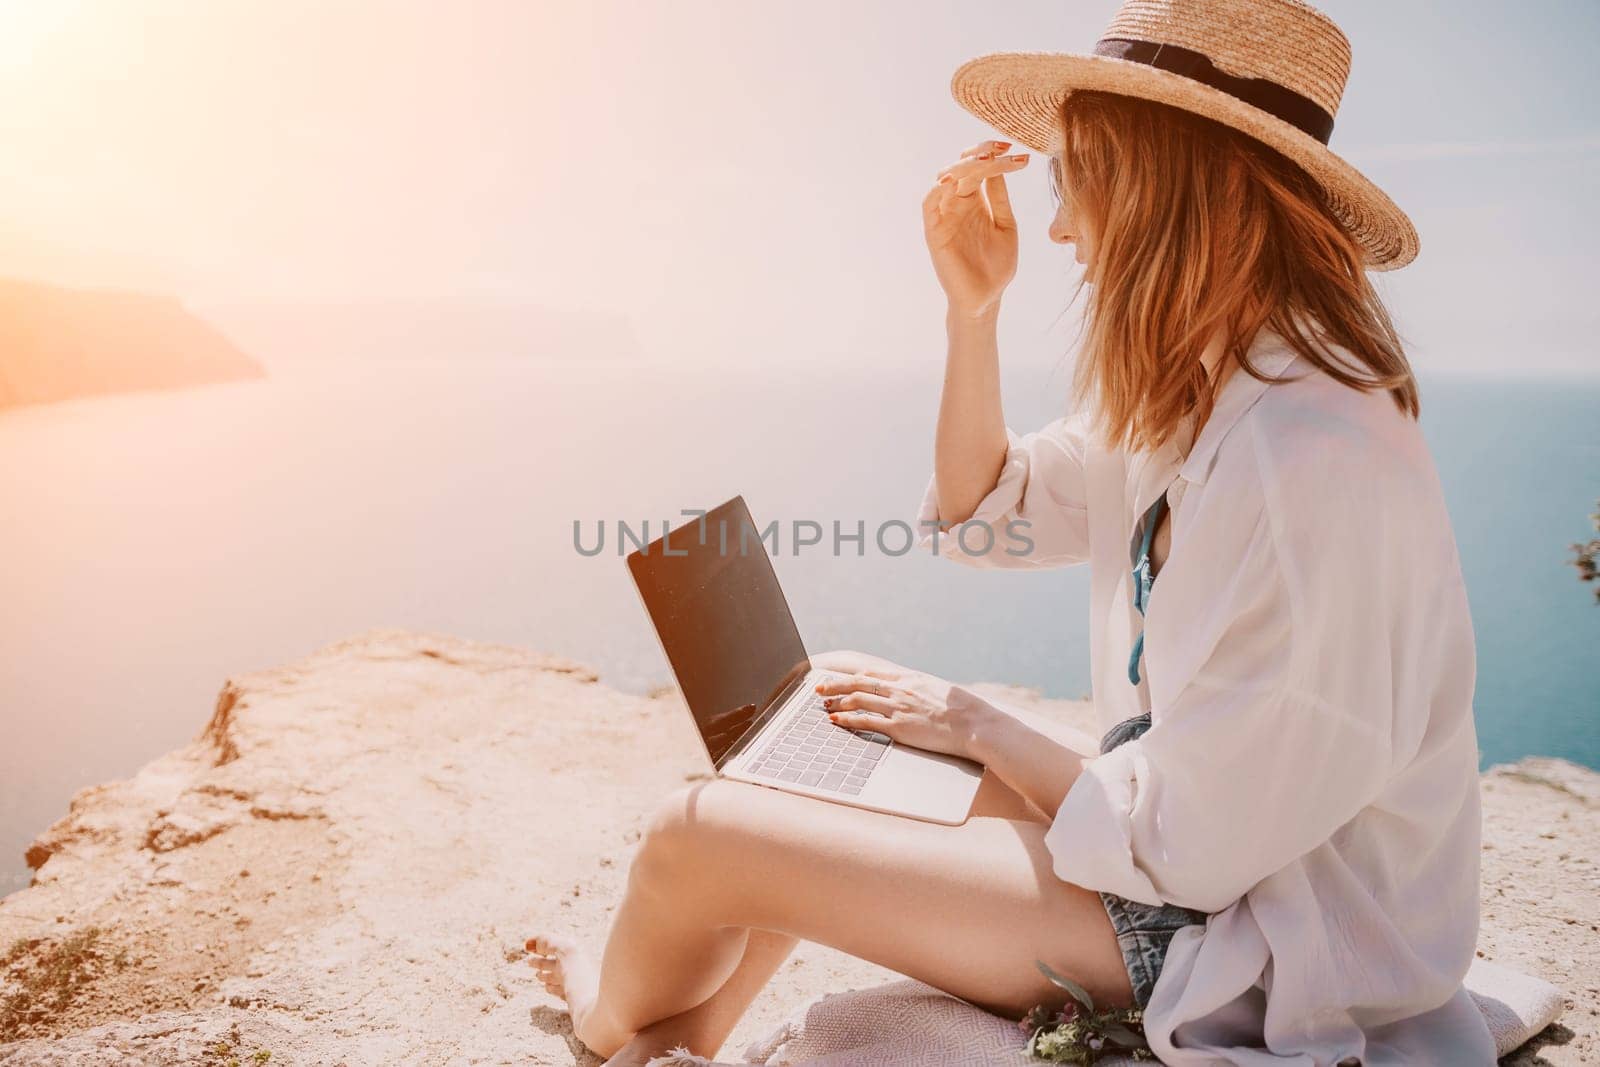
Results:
910 1024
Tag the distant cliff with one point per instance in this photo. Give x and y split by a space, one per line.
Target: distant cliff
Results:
58 343
443 325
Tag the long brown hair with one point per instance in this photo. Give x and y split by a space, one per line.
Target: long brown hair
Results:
1198 229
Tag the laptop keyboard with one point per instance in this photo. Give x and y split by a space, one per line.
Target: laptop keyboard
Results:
811 750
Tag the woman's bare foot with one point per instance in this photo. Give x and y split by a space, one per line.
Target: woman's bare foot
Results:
569 972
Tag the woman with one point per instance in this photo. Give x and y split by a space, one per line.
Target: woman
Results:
1273 849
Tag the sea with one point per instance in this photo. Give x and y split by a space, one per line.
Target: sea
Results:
157 543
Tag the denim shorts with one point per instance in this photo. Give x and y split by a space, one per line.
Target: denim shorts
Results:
1144 931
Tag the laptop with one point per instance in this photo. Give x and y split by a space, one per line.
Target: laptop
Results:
713 597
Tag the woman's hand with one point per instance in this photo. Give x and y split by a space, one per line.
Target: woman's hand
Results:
973 241
906 705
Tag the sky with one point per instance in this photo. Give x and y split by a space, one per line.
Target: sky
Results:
741 180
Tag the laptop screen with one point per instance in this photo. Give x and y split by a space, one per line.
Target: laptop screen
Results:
722 620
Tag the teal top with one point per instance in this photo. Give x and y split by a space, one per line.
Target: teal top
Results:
1143 535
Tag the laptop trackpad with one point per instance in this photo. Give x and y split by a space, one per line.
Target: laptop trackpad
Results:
924 784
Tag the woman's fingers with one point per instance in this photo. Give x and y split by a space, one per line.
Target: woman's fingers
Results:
858 694
982 164
967 174
985 146
860 681
930 208
984 152
859 701
999 202
860 711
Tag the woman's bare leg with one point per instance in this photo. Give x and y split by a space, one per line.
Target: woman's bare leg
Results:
704 1029
724 858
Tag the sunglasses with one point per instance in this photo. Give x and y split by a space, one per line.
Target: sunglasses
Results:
1058 184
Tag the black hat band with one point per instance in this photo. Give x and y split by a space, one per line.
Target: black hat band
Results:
1276 100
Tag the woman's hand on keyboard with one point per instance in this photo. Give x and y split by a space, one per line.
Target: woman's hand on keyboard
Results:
910 707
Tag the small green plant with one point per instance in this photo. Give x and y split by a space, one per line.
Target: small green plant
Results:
46 976
226 1051
1586 557
1076 1033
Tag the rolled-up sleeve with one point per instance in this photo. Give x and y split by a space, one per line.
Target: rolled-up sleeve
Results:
1276 729
1036 515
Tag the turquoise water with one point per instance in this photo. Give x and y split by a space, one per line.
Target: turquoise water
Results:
1520 463
159 543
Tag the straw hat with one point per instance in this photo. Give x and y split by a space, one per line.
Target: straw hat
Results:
1274 69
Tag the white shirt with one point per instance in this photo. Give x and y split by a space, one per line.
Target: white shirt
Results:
1310 777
